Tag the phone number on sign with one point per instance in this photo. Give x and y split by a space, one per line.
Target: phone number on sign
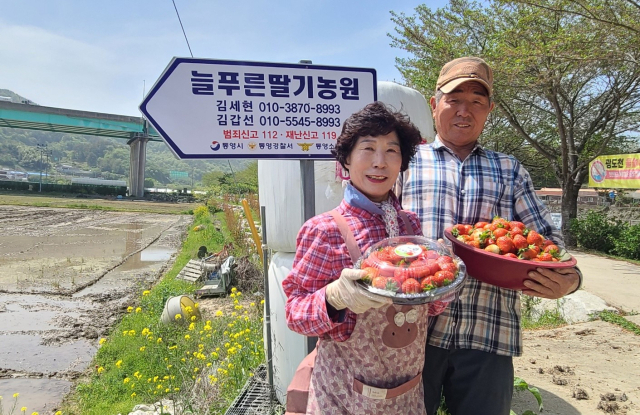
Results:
299 108
269 120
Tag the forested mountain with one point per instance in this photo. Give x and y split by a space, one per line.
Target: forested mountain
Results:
104 156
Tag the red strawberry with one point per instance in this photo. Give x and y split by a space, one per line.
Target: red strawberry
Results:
500 232
379 282
516 224
434 266
427 284
411 286
545 256
444 259
401 274
442 278
371 273
515 231
520 242
534 238
505 244
449 266
529 252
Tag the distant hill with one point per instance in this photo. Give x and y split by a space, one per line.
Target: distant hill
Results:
105 157
10 94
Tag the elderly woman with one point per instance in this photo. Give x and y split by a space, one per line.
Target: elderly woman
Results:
370 352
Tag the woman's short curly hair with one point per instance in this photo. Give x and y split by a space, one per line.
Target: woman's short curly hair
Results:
374 120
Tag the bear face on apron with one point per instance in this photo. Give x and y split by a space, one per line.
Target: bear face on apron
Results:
378 370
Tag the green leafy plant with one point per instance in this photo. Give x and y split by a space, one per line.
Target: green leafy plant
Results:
520 386
597 232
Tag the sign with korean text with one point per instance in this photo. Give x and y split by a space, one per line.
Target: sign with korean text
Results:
205 108
620 171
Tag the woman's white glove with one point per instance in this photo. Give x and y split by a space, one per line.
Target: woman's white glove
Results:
345 293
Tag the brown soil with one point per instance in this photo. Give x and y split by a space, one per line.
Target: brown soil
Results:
585 368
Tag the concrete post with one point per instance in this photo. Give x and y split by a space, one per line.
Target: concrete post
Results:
137 160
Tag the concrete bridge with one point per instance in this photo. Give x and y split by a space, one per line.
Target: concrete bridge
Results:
135 130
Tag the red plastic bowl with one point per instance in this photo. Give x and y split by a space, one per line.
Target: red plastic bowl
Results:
497 269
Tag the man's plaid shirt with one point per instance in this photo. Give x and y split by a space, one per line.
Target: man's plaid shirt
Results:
443 191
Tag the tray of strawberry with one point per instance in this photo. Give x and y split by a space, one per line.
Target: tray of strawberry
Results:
503 252
412 270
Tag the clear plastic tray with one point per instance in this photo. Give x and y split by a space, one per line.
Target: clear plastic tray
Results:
412 270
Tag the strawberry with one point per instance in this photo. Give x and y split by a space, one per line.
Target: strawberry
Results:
449 266
442 278
419 269
505 244
401 274
371 273
515 231
501 223
494 249
411 286
545 256
427 284
520 242
534 238
434 266
553 250
516 224
529 252
444 259
500 232
474 243
379 282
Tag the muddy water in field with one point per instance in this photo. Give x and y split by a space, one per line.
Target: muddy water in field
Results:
66 276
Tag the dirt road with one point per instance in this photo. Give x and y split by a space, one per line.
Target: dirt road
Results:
66 277
591 367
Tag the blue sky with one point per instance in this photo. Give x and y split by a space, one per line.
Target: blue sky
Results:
102 56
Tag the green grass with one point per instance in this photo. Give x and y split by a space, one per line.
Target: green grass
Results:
619 320
201 363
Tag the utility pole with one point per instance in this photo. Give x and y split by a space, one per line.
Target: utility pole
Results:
42 148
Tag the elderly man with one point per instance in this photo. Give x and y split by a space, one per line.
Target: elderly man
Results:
470 347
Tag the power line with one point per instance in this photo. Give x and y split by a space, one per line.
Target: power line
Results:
183 32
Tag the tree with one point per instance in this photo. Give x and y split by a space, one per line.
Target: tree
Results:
567 87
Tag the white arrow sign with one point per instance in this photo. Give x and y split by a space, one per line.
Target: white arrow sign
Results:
206 108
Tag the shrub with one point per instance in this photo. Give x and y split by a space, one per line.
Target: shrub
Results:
597 232
627 244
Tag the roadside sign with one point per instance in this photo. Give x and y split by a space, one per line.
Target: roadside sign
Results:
208 109
557 220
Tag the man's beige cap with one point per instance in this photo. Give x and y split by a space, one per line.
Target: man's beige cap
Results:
463 70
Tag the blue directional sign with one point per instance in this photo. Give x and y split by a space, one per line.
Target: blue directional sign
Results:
205 108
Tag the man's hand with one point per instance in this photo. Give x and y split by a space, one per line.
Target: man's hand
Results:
345 293
552 284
